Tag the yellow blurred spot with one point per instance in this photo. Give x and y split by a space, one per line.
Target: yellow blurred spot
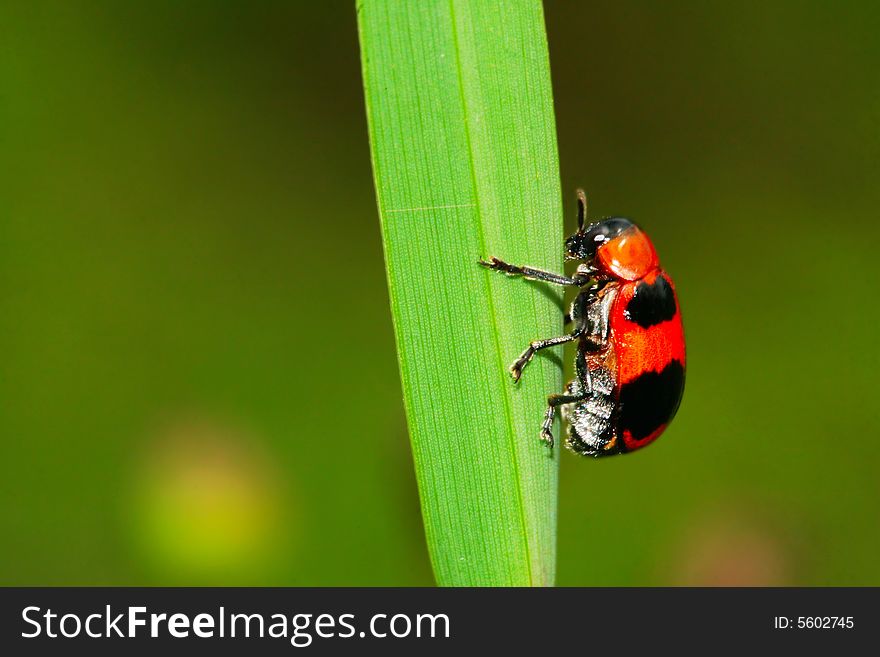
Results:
208 508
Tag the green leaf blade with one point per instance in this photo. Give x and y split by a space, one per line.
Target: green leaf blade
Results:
464 155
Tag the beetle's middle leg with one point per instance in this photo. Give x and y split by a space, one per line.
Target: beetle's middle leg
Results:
526 356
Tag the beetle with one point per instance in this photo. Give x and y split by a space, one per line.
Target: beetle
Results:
630 362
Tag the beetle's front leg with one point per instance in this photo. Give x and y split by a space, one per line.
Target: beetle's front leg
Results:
533 274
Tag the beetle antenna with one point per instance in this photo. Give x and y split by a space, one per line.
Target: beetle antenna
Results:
582 209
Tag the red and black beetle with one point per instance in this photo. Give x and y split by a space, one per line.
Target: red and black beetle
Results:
631 356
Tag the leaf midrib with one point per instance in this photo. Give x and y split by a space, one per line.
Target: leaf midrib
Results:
511 433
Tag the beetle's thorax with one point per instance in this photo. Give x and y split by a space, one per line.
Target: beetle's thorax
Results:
630 256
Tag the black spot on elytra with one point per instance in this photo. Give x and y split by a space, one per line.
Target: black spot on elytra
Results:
652 303
651 400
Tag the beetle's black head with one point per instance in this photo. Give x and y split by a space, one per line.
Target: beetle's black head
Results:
584 243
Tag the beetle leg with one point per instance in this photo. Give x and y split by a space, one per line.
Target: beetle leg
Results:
586 388
526 356
533 274
552 402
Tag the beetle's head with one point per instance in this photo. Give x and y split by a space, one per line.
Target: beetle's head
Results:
613 247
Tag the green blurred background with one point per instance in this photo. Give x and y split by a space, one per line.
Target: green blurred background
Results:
198 380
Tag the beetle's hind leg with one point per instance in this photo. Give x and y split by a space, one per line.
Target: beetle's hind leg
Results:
579 390
553 401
